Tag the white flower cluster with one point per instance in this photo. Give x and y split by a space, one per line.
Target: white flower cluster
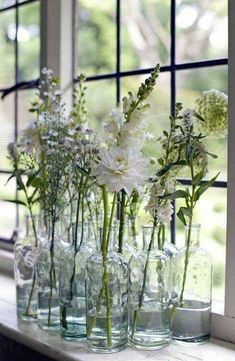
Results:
212 106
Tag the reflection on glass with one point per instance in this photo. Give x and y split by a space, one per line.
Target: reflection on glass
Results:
7 209
211 214
96 33
157 118
190 84
7 36
202 31
29 41
145 35
7 129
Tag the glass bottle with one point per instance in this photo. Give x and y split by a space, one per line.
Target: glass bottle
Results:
129 246
47 268
72 283
191 317
149 295
24 271
107 299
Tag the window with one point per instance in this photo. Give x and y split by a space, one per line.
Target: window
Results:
118 42
19 52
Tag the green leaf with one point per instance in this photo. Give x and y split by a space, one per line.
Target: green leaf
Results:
16 201
12 176
180 215
165 133
198 177
82 171
202 189
177 194
198 116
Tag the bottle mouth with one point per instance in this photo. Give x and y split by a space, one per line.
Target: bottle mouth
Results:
193 226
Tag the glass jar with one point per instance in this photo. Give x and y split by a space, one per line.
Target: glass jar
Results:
47 268
107 299
72 283
149 295
191 317
24 271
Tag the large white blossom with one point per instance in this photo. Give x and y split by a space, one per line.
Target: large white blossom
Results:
120 168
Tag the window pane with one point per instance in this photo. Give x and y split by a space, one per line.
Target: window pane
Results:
6 3
145 33
7 37
190 84
7 209
202 30
25 97
101 97
29 41
7 129
158 115
96 36
211 214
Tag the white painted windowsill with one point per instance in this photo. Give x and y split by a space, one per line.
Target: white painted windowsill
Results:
51 345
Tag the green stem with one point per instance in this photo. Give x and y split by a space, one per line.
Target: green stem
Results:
186 261
51 273
122 222
141 299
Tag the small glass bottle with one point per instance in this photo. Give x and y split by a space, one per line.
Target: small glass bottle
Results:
107 299
149 295
72 283
47 267
191 317
24 270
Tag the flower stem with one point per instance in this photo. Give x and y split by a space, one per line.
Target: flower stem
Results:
141 299
122 222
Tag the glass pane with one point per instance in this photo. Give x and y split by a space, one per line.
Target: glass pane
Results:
101 99
202 30
7 209
6 3
145 35
25 97
7 37
29 41
211 214
7 129
96 36
158 115
190 84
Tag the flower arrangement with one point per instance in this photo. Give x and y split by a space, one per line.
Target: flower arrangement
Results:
62 165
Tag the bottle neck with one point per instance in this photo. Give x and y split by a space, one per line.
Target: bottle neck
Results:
192 234
153 237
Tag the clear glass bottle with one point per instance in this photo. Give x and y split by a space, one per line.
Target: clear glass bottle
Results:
47 268
129 246
24 271
72 283
149 295
107 300
191 316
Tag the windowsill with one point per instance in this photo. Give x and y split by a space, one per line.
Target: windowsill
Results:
51 345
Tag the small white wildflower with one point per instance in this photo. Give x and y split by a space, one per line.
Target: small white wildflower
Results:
164 212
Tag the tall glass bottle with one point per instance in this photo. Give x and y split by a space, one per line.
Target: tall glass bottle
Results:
191 317
149 295
47 267
72 283
107 300
24 270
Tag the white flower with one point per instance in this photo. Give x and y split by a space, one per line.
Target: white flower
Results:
121 169
164 212
126 102
13 151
